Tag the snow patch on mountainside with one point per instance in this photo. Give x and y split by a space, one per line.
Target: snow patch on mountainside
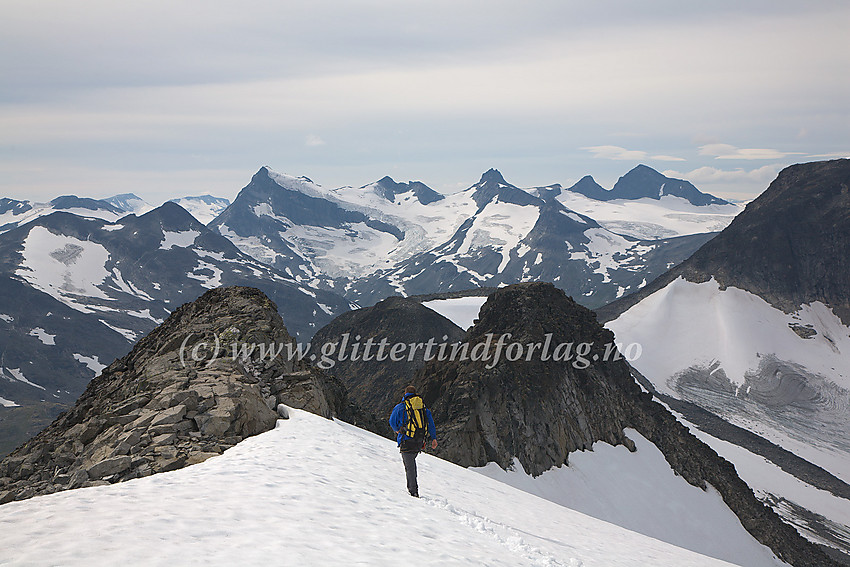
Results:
204 208
425 226
462 311
43 336
639 491
13 218
499 226
769 481
182 239
339 252
786 377
16 374
602 247
64 267
282 497
91 361
8 403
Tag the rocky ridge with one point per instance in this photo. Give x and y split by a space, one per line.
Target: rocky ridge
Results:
540 411
177 399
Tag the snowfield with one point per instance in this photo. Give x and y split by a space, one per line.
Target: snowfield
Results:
462 311
314 491
64 267
794 391
648 219
624 488
736 330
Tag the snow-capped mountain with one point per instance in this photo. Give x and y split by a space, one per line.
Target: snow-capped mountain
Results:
514 236
205 208
294 225
280 497
645 182
755 326
82 290
131 203
14 213
391 238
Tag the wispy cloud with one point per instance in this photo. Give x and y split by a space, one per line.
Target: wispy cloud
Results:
709 175
833 155
618 153
314 140
728 151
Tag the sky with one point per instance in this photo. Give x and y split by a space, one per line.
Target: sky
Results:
166 99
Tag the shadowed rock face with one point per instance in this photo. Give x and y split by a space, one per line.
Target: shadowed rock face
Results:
792 244
539 411
149 412
378 385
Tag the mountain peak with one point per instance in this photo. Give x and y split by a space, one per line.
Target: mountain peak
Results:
493 186
588 187
388 188
74 202
643 181
173 217
492 175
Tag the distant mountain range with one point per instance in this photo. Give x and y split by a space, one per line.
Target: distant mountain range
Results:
391 238
85 278
14 213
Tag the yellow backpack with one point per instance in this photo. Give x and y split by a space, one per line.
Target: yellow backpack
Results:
415 427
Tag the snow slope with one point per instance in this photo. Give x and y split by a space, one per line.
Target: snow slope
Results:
462 311
736 329
205 208
736 354
615 485
282 497
30 211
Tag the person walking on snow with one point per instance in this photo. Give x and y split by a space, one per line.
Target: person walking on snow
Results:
409 420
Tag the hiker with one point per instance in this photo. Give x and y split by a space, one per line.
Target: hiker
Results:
409 420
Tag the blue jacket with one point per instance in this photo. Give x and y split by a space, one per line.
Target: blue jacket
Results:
398 416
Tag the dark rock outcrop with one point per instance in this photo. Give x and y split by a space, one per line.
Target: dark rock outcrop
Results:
387 188
182 395
538 411
377 385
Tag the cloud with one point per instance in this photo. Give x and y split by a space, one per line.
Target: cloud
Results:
832 155
712 175
314 140
618 153
728 151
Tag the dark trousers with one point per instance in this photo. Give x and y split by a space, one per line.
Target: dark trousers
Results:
409 460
